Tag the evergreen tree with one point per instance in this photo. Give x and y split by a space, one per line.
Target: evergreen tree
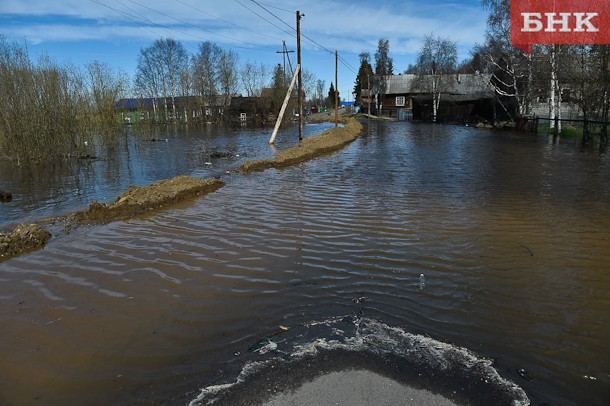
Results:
278 88
331 95
364 79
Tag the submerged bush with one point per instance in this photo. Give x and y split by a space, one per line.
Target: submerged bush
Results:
49 111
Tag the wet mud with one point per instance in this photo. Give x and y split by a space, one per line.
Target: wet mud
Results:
22 238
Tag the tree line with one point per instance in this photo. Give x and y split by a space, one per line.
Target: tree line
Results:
212 75
51 110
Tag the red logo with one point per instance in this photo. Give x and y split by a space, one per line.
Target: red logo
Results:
559 22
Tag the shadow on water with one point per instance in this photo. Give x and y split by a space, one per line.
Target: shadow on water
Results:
509 231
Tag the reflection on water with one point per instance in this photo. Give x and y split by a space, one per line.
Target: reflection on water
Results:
509 231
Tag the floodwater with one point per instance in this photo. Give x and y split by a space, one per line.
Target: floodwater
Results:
511 232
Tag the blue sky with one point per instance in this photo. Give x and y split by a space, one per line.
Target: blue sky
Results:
114 31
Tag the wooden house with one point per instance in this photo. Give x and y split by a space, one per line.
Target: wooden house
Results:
465 97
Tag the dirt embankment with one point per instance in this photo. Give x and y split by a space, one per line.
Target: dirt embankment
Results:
141 200
329 141
134 202
22 238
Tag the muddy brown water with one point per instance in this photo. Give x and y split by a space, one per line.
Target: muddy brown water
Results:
511 232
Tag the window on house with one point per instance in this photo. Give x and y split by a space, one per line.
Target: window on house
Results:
400 101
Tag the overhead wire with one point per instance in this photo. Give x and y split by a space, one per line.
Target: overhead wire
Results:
225 21
263 6
126 16
278 8
311 41
196 27
270 22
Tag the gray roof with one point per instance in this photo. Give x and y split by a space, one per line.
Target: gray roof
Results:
460 86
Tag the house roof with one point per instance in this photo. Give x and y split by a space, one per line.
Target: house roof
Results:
461 87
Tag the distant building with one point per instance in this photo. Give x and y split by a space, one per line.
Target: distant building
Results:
167 109
467 97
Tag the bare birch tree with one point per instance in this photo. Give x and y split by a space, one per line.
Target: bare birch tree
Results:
228 75
254 77
205 73
320 87
159 71
384 67
510 67
436 63
309 84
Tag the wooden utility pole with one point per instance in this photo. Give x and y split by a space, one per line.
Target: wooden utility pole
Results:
285 52
300 87
336 88
368 84
278 122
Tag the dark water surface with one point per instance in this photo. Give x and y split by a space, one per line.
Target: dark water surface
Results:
510 231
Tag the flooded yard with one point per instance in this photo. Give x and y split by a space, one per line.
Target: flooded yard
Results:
510 231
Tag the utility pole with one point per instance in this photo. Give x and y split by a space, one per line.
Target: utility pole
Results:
285 52
299 15
368 84
336 88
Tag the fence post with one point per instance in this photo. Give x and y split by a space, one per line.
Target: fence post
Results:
556 133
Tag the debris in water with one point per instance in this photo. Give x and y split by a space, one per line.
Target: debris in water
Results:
270 346
525 375
422 282
5 196
359 300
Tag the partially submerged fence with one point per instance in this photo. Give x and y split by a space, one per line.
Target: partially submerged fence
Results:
588 129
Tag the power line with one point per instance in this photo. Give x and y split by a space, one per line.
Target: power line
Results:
278 8
347 64
313 42
289 26
194 26
276 17
127 16
168 29
226 21
260 16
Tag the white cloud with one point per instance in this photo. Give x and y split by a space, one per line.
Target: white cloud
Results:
334 24
348 26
